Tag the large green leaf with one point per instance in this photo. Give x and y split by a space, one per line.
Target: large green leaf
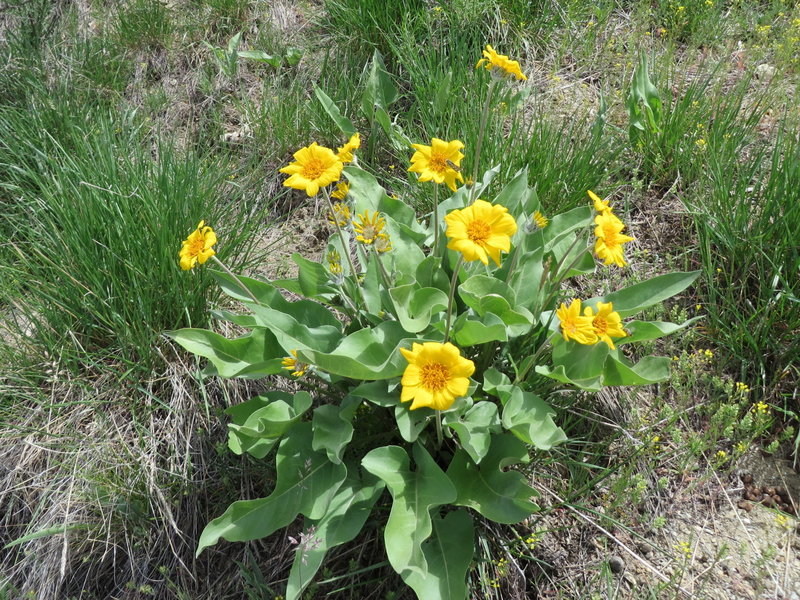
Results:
651 369
414 494
561 231
514 196
651 330
379 91
635 298
410 423
531 419
415 306
502 496
448 553
261 421
306 483
591 384
475 428
475 289
344 124
253 355
368 194
346 515
470 331
366 354
313 278
333 427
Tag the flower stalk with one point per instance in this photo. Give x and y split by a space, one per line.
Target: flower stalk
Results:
481 130
450 296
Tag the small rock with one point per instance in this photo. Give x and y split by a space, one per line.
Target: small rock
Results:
765 71
616 564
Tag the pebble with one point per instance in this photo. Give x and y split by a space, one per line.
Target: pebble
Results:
616 564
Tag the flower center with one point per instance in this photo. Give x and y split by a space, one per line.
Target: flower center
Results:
600 325
570 325
313 168
369 233
478 231
196 246
438 162
434 376
610 236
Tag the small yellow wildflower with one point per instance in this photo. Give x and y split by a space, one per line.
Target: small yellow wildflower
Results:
315 167
340 215
605 323
685 549
368 228
436 375
742 387
291 363
760 408
574 325
610 239
440 162
700 143
383 242
722 455
197 247
345 153
499 64
540 220
342 189
741 447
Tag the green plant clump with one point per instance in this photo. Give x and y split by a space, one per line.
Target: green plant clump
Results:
406 310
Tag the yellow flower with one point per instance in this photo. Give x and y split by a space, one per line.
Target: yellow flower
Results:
610 238
540 220
197 247
606 322
314 167
345 153
340 215
369 228
574 325
342 189
480 231
500 64
438 162
600 205
383 242
436 375
290 363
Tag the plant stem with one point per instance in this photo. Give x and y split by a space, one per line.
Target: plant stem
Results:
450 296
438 429
521 376
346 247
236 278
384 273
435 218
481 131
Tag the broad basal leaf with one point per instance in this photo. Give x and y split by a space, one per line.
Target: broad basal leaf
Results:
414 494
531 419
306 483
333 427
502 496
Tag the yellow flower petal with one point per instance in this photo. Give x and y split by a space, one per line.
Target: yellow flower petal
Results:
436 375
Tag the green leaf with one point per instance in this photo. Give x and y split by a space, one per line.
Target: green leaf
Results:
514 195
630 300
415 306
560 233
414 494
580 361
379 91
475 428
494 379
470 332
306 483
475 289
448 553
313 278
651 369
253 355
378 392
366 354
640 331
558 373
502 496
410 423
344 124
531 419
333 427
57 530
346 515
293 55
261 421
260 56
